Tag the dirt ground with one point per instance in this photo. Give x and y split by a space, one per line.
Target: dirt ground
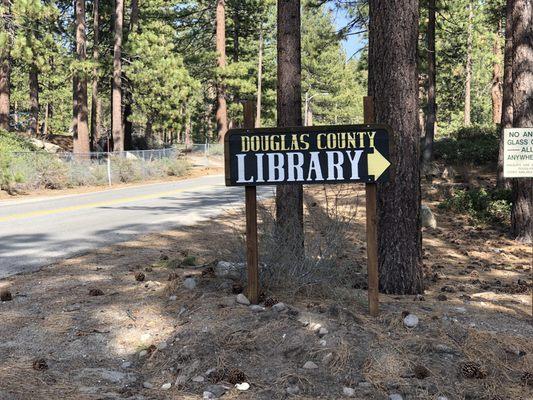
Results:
91 328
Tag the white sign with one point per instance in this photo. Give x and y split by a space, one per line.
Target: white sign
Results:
518 153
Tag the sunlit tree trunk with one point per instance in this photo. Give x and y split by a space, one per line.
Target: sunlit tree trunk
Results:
116 117
5 67
522 225
468 67
431 118
222 110
289 198
496 89
81 136
507 102
393 83
96 105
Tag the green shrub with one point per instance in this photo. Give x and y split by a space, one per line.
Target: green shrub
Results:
478 145
481 205
175 166
125 169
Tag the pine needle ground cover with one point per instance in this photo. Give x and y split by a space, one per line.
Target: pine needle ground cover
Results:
87 328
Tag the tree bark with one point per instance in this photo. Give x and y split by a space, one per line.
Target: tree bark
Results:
522 224
81 136
507 102
5 68
496 89
222 110
128 95
96 104
393 82
468 67
116 118
34 100
74 123
431 118
259 81
289 198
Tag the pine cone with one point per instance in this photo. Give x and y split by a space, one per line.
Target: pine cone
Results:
270 301
421 372
40 364
139 276
235 376
473 370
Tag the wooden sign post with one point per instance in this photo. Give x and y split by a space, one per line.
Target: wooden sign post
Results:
371 226
252 252
308 155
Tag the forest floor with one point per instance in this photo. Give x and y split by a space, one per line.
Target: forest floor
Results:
120 323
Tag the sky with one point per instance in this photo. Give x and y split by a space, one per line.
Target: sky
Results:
354 42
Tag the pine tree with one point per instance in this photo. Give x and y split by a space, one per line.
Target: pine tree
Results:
81 135
6 38
393 82
116 123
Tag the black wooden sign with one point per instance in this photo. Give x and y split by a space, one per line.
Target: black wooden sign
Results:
307 155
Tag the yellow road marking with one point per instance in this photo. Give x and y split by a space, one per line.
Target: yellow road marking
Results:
41 213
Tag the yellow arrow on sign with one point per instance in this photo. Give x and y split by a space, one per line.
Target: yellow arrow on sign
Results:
377 164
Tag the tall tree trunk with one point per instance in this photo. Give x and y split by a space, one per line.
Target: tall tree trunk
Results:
222 109
116 118
74 122
468 79
5 67
522 225
34 100
46 118
431 118
393 82
496 89
81 136
259 80
96 104
507 103
289 198
128 95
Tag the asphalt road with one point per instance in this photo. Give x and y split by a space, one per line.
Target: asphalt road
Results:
35 233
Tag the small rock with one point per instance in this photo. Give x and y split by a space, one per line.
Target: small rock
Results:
410 321
125 365
348 392
310 365
461 310
143 353
95 292
190 283
365 385
216 390
242 386
257 308
315 327
162 346
279 307
166 386
327 358
427 218
442 398
208 395
228 270
292 390
173 297
242 299
148 385
322 332
322 342
5 295
198 379
395 396
419 297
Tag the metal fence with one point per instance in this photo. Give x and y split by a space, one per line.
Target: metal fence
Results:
64 169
